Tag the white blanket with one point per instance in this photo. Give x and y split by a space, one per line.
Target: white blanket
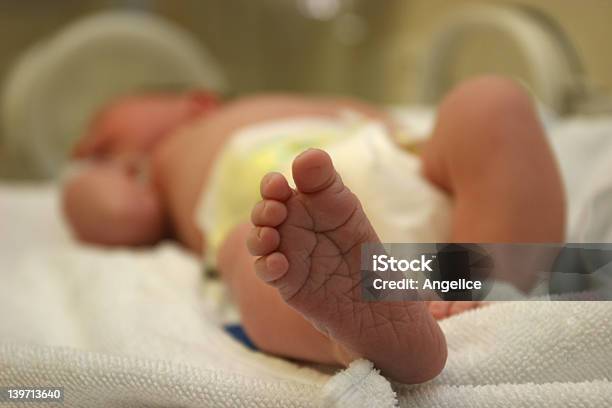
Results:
524 354
134 328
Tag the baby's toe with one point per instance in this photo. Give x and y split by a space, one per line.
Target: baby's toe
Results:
262 240
313 171
460 307
271 267
439 309
269 213
274 186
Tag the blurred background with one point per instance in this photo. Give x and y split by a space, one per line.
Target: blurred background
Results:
391 52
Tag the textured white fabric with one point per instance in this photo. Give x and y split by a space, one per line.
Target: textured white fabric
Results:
132 328
524 354
359 386
121 328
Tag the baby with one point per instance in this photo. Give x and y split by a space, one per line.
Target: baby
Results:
294 271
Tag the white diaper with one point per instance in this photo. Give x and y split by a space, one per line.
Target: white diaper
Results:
400 203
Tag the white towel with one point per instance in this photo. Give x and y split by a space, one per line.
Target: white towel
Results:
524 354
123 328
130 328
360 385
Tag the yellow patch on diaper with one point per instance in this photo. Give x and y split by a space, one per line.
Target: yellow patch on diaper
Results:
239 172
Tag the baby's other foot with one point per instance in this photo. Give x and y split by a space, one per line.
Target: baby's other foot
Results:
309 245
443 309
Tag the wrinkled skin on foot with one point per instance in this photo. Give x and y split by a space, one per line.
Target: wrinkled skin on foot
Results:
309 245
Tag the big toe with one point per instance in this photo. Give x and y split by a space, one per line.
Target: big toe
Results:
313 171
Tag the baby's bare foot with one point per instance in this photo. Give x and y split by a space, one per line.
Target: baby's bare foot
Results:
309 243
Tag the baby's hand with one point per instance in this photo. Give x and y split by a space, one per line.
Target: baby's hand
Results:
107 204
135 124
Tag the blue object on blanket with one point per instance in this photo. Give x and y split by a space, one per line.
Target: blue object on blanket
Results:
238 333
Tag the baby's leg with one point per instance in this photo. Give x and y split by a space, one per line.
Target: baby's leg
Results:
489 151
271 324
309 242
107 204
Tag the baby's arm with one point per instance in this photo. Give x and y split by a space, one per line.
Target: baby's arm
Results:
109 203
